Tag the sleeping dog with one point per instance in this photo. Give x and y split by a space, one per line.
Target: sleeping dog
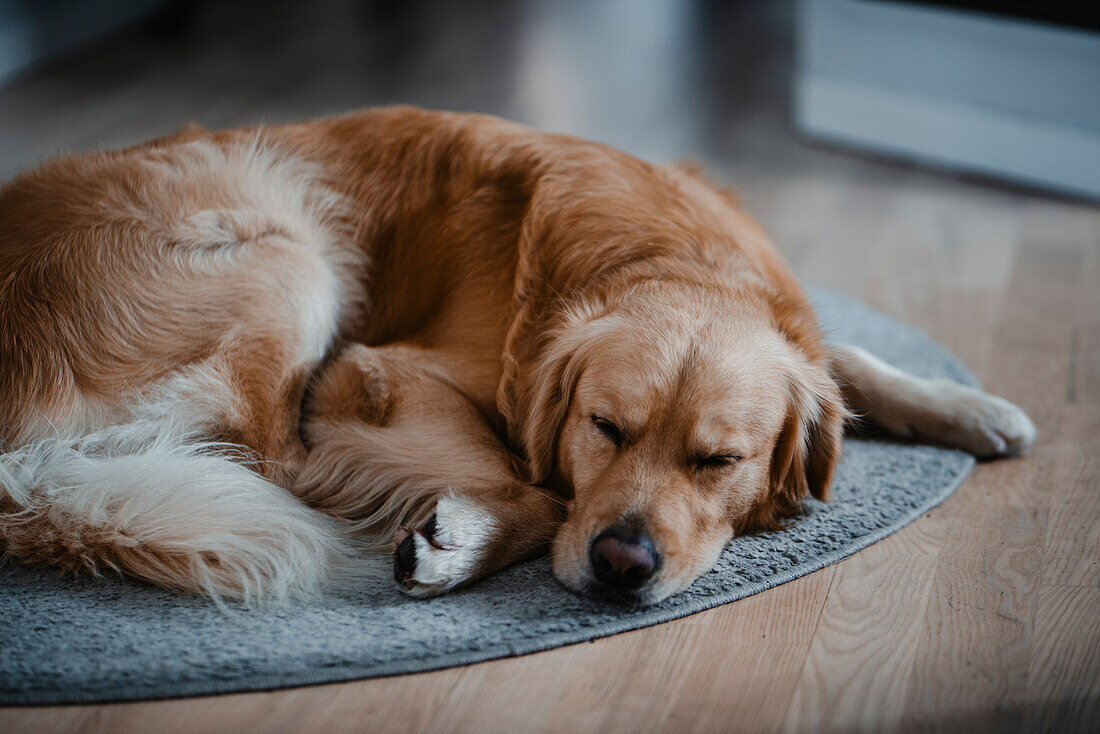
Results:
225 354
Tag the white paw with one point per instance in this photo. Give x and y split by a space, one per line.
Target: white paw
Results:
986 425
445 551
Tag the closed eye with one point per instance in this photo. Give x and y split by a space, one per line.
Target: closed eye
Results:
718 461
609 430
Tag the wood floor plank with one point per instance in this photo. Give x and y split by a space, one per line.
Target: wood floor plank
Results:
1084 384
1063 680
1071 546
857 670
749 658
976 630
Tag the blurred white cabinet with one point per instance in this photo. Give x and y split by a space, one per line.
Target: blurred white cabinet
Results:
970 91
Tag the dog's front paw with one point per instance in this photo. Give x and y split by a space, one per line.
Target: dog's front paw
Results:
446 551
988 426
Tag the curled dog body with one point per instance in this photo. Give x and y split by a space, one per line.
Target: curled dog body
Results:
464 340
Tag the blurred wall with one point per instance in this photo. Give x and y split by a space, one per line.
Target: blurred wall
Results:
33 31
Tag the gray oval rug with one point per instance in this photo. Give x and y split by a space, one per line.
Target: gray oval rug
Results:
111 639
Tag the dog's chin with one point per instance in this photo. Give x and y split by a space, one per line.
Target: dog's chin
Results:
628 599
635 599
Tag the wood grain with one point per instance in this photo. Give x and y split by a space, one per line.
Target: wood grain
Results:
983 615
1063 679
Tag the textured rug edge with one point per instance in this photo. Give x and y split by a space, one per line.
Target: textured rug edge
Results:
411 666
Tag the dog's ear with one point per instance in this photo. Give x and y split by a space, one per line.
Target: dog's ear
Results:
541 368
808 448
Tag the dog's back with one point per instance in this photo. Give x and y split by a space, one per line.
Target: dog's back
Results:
151 300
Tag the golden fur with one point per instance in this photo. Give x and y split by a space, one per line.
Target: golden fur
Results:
462 305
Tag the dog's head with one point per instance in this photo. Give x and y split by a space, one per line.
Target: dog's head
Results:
678 417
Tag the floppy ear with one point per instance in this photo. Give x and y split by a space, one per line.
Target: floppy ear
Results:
808 448
539 378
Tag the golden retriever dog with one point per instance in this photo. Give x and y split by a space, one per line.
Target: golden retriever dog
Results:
225 356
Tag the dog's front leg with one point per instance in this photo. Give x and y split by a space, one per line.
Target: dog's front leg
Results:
939 411
473 533
395 442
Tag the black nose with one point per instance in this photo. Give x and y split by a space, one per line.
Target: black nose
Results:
622 560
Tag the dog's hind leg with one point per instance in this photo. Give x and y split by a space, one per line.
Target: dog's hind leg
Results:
402 453
155 502
934 410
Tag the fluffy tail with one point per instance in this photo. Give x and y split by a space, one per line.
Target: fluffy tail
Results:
153 502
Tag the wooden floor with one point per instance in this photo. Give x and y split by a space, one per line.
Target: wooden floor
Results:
984 615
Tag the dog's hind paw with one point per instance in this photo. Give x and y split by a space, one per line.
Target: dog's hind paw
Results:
446 551
985 425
